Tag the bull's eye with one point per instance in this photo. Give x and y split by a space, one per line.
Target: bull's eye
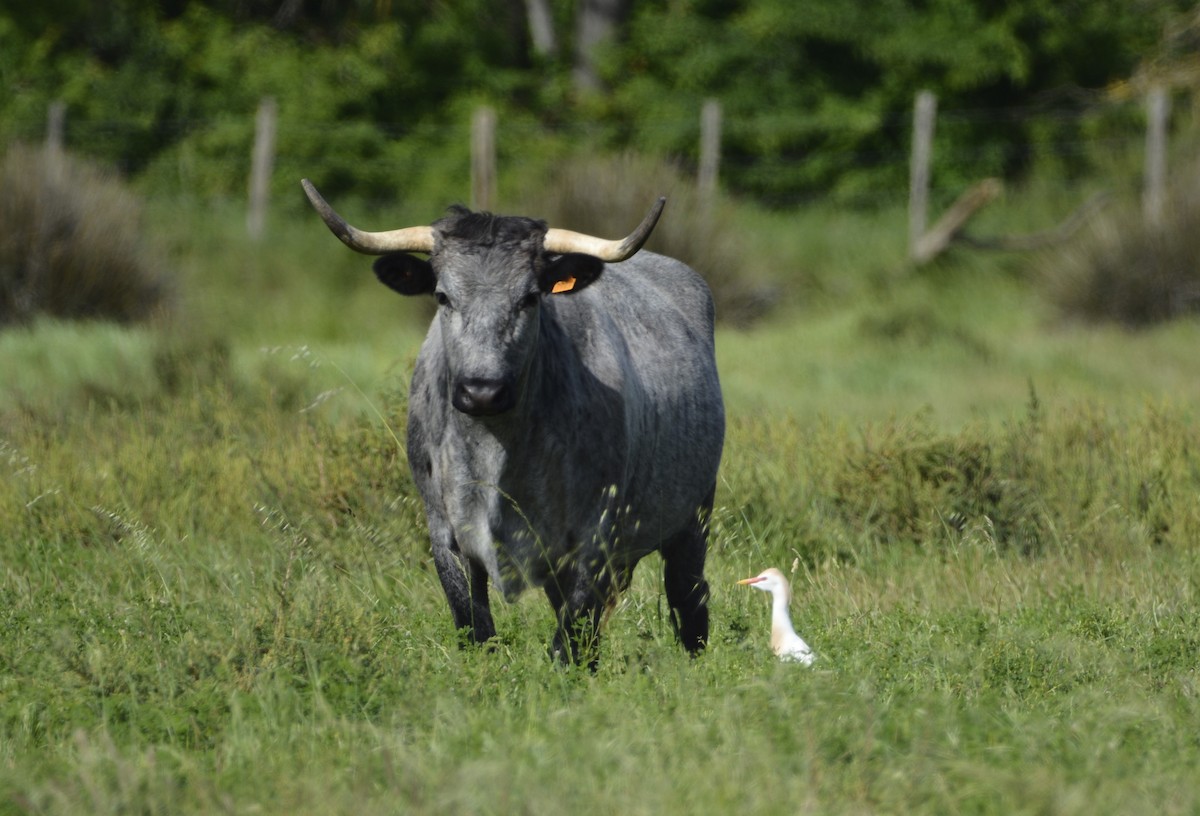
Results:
441 297
529 301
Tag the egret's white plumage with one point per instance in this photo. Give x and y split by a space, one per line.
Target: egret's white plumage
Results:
784 641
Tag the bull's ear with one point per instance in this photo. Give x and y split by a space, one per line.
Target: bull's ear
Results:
570 273
405 273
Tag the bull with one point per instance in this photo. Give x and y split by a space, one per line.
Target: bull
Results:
565 417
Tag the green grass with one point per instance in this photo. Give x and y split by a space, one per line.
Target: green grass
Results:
216 594
960 349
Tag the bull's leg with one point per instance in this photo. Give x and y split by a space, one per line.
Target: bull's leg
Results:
465 585
683 577
578 595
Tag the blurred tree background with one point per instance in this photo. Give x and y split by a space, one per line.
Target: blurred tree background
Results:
377 93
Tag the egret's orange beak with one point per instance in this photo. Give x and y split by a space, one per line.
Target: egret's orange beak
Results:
753 580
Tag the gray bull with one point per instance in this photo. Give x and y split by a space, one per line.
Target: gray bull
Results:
565 417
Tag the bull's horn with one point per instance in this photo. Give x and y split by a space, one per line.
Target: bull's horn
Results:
409 239
562 241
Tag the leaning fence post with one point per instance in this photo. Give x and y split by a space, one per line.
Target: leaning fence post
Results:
924 116
483 158
1154 195
261 162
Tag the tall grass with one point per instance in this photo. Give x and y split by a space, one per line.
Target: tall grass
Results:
223 607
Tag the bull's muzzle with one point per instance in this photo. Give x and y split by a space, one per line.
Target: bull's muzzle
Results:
480 397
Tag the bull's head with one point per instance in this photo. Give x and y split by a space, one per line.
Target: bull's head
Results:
489 275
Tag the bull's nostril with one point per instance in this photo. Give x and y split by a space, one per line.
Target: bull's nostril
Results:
479 397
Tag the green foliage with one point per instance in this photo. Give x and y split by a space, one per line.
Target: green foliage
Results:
170 93
71 245
820 100
375 97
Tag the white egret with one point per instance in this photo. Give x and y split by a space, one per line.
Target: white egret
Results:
786 644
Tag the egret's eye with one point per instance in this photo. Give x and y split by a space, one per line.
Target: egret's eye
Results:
441 298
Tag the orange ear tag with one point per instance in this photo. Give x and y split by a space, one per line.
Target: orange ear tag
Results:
562 286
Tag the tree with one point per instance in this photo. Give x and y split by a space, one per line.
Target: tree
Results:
816 98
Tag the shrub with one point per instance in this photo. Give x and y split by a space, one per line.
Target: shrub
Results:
69 243
608 195
1129 272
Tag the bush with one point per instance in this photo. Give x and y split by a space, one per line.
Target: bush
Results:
69 243
608 196
907 482
1126 271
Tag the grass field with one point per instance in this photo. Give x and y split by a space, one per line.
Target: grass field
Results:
216 594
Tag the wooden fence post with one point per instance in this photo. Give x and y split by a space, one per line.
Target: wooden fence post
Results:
1154 195
710 149
924 116
541 27
262 161
483 159
56 118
